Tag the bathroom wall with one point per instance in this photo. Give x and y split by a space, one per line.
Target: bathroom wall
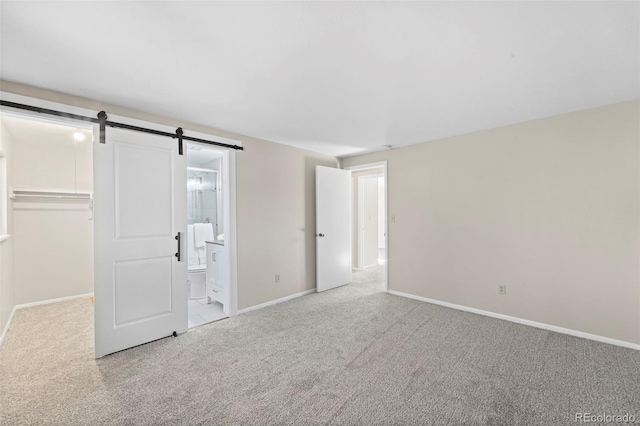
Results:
217 165
550 208
202 194
53 239
7 297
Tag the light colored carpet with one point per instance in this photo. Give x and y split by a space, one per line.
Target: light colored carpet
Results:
349 356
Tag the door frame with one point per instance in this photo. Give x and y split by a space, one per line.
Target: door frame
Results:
368 166
228 188
230 220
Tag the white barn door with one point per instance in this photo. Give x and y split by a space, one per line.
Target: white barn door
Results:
140 208
333 227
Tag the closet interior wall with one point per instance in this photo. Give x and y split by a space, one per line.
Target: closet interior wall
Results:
53 237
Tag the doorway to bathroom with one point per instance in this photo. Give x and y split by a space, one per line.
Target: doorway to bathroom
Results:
208 261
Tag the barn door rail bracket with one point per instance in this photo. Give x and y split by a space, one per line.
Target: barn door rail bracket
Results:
103 122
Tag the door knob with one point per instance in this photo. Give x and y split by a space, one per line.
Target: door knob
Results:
320 235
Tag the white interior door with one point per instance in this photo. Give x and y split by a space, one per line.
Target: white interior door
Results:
333 228
140 207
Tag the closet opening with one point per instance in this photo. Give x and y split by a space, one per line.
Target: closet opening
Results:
49 208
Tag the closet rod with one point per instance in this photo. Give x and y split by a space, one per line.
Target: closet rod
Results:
103 120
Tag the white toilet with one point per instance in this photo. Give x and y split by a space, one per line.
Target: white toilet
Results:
197 269
197 281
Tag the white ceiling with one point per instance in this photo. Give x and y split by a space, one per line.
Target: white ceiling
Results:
333 77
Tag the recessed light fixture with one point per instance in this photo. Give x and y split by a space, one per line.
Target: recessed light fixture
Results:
78 136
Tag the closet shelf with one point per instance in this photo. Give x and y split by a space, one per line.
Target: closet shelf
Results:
20 193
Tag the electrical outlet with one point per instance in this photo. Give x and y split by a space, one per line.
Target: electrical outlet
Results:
277 278
502 289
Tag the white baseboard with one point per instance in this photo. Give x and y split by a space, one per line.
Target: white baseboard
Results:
46 302
6 327
275 302
517 320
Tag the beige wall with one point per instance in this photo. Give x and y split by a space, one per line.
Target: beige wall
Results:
276 220
7 297
548 207
275 203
